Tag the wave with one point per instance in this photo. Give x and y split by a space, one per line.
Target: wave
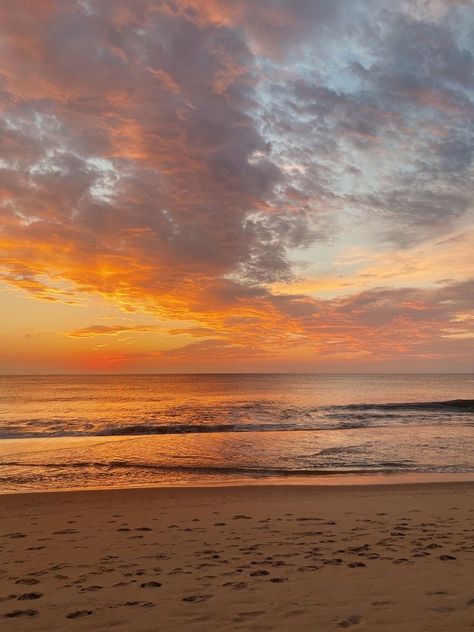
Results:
146 429
61 469
386 466
313 419
453 404
165 429
138 430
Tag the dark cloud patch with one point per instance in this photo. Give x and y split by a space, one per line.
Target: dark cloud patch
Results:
392 106
425 75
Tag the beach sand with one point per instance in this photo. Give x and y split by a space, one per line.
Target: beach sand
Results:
393 557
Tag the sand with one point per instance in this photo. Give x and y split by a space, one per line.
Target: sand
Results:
240 558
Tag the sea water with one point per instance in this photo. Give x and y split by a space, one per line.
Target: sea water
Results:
59 432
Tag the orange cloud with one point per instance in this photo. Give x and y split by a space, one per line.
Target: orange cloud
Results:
109 330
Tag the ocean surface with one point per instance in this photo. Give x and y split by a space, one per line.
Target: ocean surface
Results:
68 432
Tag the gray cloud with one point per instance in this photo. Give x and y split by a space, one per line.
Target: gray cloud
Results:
389 131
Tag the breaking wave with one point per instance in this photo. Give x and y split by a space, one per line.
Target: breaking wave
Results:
272 419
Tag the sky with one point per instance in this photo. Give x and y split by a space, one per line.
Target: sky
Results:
231 185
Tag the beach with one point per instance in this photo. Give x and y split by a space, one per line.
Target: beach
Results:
236 316
267 558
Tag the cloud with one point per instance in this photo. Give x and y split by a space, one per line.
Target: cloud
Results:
365 329
110 330
387 129
148 150
172 157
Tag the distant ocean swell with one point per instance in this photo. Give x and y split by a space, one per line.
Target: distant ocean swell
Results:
453 404
352 416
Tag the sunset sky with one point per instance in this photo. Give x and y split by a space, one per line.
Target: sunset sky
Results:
222 185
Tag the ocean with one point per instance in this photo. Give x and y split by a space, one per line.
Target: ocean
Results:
78 432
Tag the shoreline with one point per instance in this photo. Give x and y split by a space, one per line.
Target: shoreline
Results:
332 481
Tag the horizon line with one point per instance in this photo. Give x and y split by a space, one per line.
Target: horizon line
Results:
191 373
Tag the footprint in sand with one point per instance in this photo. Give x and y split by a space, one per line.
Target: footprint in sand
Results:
196 598
31 595
15 536
35 548
91 588
21 613
347 622
79 613
443 609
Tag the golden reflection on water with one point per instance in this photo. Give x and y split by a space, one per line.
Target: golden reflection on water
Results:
209 429
220 458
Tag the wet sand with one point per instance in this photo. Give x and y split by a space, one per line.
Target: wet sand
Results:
385 558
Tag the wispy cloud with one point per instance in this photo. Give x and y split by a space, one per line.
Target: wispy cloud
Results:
110 330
